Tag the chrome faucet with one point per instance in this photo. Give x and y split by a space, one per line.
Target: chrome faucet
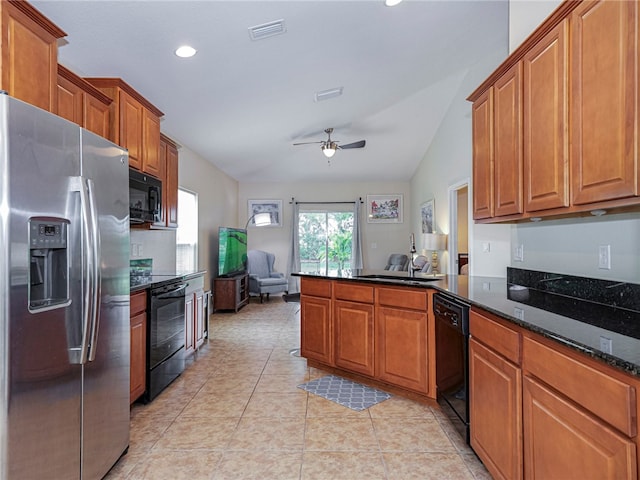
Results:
411 267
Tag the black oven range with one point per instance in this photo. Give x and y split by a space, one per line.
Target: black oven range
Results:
165 335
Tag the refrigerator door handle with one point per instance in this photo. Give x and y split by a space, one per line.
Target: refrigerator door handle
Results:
79 355
95 270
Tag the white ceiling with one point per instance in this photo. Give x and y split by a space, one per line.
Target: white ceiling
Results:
241 104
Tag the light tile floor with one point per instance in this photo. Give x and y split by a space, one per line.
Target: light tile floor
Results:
236 413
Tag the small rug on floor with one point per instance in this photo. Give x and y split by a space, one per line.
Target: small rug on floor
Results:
345 392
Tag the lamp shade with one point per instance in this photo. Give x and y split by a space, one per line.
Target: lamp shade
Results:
260 219
434 241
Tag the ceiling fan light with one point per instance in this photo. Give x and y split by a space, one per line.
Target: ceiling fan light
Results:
329 150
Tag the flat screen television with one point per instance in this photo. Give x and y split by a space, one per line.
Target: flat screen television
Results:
232 251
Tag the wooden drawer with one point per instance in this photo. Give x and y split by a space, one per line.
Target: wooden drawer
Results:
500 338
316 288
138 303
611 399
414 299
353 291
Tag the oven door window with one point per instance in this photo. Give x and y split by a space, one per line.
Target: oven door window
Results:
167 327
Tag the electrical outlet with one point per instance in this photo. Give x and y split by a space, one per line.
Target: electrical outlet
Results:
606 345
140 249
604 257
486 286
519 313
374 245
518 254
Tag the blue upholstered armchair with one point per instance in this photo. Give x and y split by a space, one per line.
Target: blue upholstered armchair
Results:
397 262
262 279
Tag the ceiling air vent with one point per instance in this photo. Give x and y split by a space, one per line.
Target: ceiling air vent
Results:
267 30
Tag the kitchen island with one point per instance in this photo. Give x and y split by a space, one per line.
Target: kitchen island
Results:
546 391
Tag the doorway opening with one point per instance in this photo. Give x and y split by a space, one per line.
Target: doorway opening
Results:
460 228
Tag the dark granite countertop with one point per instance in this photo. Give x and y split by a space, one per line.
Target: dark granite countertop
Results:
156 279
597 321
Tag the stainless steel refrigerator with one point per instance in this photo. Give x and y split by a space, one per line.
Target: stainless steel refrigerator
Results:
64 297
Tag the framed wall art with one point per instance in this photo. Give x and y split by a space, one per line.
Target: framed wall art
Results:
384 208
428 216
272 207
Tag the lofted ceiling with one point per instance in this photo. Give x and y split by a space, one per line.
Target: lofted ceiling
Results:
241 104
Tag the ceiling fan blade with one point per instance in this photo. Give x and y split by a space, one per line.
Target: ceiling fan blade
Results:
359 144
307 143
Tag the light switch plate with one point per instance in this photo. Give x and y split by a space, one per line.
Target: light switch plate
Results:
604 257
486 247
606 345
518 254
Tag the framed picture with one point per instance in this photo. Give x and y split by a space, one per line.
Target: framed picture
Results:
272 207
428 216
384 208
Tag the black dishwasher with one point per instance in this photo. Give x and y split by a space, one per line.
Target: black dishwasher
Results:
452 352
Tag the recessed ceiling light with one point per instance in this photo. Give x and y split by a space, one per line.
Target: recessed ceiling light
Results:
391 3
185 51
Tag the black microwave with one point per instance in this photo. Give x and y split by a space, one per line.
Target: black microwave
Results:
145 198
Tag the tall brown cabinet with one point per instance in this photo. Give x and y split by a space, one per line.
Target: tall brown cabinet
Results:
555 127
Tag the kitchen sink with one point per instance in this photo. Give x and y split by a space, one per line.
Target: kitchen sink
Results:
403 279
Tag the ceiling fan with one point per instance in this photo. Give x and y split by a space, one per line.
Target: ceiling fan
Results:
329 146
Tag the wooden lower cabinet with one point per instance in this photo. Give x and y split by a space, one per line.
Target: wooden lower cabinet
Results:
194 313
316 328
354 340
540 410
379 333
189 311
138 348
564 441
495 411
402 347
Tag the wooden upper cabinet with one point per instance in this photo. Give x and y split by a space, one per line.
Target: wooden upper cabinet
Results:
169 158
69 101
482 113
604 101
580 105
81 103
135 124
96 114
507 93
151 145
546 106
131 118
29 54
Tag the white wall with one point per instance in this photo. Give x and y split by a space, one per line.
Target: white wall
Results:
571 246
525 16
158 245
217 204
448 161
379 240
